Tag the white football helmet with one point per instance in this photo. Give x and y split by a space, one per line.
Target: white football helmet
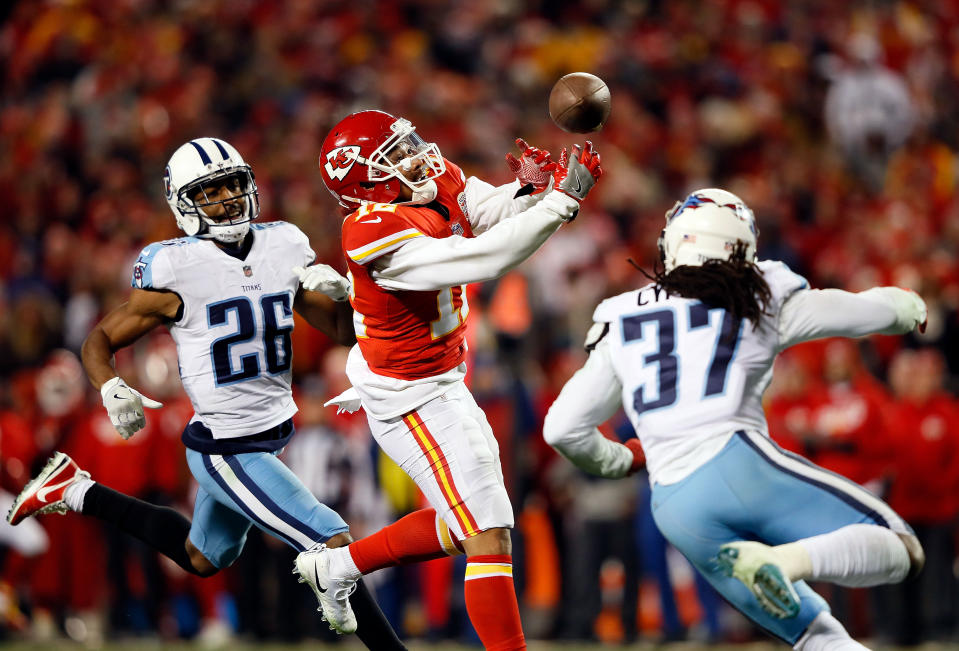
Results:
706 226
202 163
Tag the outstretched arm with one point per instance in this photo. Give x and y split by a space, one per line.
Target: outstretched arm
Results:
422 263
322 299
815 314
332 318
426 263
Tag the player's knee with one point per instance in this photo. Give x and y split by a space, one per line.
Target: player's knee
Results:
340 540
201 564
496 541
917 557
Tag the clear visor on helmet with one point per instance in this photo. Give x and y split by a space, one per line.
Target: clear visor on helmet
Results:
406 156
226 197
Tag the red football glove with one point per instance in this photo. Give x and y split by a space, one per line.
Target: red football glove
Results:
639 459
575 176
534 167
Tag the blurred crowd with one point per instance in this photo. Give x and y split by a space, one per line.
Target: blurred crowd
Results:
837 122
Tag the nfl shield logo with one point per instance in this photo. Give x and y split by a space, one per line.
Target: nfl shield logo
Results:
247 270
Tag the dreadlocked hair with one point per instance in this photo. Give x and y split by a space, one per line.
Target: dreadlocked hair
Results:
735 285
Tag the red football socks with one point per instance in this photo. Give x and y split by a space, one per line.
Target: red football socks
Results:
419 536
491 602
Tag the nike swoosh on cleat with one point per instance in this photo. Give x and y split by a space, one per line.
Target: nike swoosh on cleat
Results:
316 572
43 492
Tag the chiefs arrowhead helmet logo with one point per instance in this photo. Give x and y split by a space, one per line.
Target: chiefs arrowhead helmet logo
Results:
340 161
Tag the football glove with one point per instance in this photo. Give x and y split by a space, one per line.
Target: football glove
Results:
918 311
324 279
639 458
534 166
125 406
575 175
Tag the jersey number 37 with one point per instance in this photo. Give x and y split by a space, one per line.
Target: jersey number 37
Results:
666 360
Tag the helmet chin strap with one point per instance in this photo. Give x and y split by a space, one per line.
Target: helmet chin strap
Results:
425 193
228 233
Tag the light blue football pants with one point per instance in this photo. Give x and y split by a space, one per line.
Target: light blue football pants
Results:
755 490
253 488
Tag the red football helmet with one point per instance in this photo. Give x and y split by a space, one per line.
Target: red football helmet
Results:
370 155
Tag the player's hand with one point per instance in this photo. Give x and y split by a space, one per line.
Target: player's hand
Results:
125 406
324 279
533 167
576 174
639 458
921 312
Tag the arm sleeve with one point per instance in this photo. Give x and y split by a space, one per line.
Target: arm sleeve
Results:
590 397
425 263
814 314
488 205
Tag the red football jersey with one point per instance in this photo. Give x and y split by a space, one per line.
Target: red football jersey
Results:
407 334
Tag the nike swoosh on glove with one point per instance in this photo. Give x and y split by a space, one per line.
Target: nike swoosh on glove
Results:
576 174
125 406
324 279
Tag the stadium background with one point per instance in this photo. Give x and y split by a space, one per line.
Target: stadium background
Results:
732 93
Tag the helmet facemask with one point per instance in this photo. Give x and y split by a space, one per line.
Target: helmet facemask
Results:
225 219
403 152
400 154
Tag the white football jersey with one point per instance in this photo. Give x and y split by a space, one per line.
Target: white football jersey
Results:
689 377
692 375
233 338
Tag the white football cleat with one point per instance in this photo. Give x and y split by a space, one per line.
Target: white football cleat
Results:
313 567
760 569
44 493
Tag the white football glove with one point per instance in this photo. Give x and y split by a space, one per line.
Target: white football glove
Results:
914 311
911 311
324 279
125 406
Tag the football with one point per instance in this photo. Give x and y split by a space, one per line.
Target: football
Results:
579 103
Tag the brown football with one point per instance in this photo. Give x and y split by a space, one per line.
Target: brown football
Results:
579 103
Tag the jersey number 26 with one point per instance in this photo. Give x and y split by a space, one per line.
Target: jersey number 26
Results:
276 338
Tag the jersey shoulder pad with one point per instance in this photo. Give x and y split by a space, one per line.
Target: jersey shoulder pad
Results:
595 334
153 268
375 230
783 282
454 172
611 308
451 185
295 243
